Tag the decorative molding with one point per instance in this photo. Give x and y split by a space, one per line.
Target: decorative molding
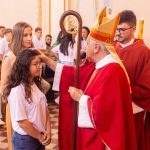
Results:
50 16
78 6
65 5
40 13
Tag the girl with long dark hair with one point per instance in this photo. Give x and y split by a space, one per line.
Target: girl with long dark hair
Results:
28 105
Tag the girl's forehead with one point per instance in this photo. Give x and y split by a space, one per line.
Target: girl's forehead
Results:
37 58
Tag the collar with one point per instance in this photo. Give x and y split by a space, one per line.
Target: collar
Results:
106 60
127 44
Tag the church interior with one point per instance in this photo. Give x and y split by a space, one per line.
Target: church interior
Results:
45 15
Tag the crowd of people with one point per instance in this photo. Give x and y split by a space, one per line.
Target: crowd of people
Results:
113 96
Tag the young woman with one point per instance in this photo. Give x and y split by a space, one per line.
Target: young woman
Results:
22 38
85 33
28 105
66 50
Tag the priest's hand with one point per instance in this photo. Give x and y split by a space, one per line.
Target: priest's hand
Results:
75 93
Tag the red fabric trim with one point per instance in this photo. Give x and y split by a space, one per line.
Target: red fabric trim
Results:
101 38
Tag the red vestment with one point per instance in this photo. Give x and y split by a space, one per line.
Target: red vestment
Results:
109 109
136 59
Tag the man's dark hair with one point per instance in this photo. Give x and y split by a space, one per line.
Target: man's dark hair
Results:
2 27
48 35
38 29
8 30
128 16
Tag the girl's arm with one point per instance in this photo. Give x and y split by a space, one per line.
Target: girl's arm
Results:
47 133
5 72
27 126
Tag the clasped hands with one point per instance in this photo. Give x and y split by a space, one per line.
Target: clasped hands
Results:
75 93
45 138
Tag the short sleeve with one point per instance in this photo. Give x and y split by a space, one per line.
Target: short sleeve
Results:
17 103
56 49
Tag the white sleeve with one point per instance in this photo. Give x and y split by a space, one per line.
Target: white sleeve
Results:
43 44
75 51
17 103
34 42
57 77
136 108
56 49
84 120
2 47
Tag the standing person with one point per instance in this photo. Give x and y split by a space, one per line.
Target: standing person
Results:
85 33
66 50
37 40
48 41
22 38
135 56
105 117
2 31
28 105
4 43
48 52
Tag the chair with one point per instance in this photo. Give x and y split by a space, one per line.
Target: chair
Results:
9 127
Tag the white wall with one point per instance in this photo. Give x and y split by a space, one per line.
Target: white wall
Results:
57 8
46 17
13 11
87 11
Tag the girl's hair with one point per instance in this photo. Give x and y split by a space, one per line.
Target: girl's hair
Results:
18 31
87 29
59 37
66 40
21 73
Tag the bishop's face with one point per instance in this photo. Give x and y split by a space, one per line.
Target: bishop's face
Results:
90 49
124 33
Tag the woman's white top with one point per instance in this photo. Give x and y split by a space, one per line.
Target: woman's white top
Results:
66 59
4 46
21 109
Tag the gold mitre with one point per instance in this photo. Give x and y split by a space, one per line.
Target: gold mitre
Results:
103 32
104 28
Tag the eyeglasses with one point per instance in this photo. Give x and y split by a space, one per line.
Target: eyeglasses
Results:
37 64
122 30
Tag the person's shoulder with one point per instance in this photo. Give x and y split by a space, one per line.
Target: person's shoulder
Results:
141 49
9 54
113 68
9 57
34 39
56 48
2 40
140 44
18 89
17 93
2 43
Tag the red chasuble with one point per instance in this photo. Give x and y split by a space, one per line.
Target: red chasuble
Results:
136 59
109 108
